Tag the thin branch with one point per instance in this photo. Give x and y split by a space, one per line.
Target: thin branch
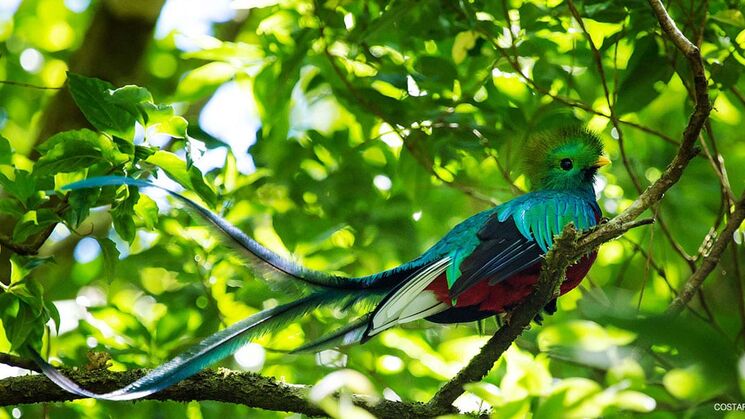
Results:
740 291
28 85
740 97
677 247
711 260
424 161
479 27
21 249
597 58
671 29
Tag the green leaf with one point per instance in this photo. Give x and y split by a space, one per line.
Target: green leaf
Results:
273 103
204 80
8 307
34 222
727 73
690 383
229 52
6 151
81 201
732 17
30 293
646 67
110 255
147 210
94 98
122 215
22 187
130 98
19 327
143 152
174 126
635 401
53 313
464 41
71 151
21 266
273 100
176 169
17 271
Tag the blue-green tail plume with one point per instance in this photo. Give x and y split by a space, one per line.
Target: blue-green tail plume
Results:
265 263
216 347
352 333
322 290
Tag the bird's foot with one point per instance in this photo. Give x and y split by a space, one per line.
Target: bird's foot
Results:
549 309
505 318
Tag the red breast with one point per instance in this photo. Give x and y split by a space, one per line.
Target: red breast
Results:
508 293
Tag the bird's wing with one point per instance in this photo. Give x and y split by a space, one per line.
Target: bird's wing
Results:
516 236
410 300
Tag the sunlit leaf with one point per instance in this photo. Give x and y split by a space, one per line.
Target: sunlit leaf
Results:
5 151
203 80
110 256
93 97
190 178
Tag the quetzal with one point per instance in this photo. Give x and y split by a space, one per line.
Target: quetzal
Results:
484 266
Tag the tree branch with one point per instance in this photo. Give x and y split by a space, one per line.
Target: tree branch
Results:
16 361
221 385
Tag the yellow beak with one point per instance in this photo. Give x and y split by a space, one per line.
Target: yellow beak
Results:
602 161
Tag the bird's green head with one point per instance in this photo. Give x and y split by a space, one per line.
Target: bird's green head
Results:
564 159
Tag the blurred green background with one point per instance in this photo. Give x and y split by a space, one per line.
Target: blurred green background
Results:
352 135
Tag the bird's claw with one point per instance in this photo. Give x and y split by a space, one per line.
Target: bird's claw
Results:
549 309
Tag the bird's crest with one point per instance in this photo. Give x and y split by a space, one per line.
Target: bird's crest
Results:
563 158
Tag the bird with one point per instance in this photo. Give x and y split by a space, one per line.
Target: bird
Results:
482 267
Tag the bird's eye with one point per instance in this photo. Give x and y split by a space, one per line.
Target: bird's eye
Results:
566 164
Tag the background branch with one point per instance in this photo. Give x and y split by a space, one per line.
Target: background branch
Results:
711 260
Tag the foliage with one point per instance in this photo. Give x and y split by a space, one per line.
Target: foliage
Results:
383 124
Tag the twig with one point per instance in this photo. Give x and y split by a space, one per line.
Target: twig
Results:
740 97
479 27
711 260
28 85
597 58
21 249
